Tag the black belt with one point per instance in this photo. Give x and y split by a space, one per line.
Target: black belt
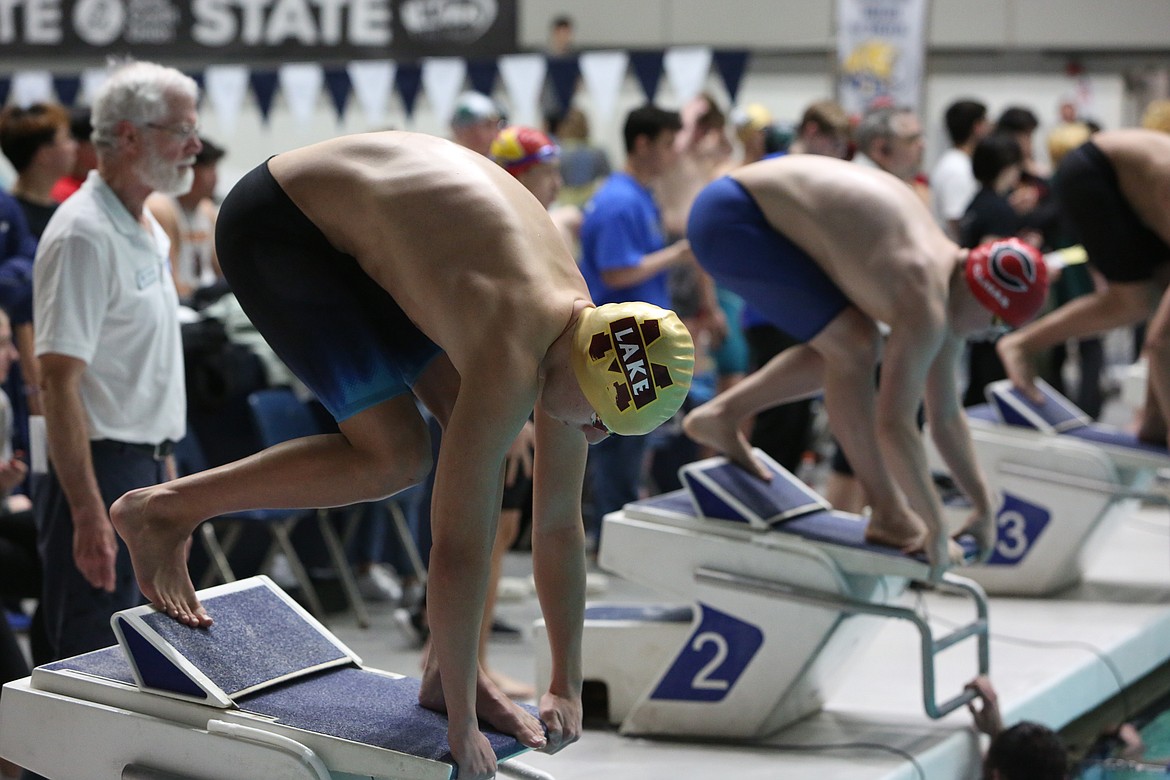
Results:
159 451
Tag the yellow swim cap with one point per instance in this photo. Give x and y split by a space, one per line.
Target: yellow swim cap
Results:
634 362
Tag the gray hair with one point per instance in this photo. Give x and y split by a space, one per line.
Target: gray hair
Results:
877 125
136 92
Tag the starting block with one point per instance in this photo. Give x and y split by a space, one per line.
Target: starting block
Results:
265 692
1064 481
778 592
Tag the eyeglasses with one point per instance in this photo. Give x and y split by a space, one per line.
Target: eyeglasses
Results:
183 132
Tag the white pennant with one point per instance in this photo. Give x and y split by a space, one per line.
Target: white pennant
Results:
687 68
442 81
92 80
373 81
226 86
603 73
301 84
32 86
523 76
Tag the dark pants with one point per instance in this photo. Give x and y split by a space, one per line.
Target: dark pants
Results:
77 615
784 431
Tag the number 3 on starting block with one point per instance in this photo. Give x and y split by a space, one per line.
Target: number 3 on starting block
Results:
1018 526
711 660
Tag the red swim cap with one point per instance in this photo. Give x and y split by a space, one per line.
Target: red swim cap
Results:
1009 278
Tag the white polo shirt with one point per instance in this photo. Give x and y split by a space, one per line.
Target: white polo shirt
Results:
102 293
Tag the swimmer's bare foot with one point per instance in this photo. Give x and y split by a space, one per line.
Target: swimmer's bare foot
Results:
158 551
902 530
705 426
491 706
511 687
1017 363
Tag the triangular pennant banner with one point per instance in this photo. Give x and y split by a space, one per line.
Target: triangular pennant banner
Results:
687 69
647 67
67 88
32 86
482 75
442 79
731 66
523 76
373 80
603 73
408 80
563 73
301 83
264 88
227 86
337 85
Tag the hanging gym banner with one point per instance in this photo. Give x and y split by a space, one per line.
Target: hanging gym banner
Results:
257 30
881 48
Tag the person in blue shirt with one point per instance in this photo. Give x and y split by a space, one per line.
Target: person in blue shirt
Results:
625 257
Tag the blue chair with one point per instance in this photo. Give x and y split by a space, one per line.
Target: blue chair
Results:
280 416
219 535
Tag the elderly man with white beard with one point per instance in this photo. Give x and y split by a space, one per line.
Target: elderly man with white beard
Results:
107 335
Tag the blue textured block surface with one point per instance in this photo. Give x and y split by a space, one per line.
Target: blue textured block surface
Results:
366 707
827 527
109 663
256 637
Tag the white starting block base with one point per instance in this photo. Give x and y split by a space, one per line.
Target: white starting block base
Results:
783 593
1064 482
1121 610
266 692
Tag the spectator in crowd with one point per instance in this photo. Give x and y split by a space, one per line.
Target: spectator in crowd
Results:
583 165
475 122
890 138
625 256
752 123
189 222
951 180
80 128
103 301
37 141
997 163
823 129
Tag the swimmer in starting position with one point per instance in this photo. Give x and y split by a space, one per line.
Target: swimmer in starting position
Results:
384 266
827 250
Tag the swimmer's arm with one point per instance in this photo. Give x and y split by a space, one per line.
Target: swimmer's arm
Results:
909 351
948 426
1118 305
558 543
558 563
486 417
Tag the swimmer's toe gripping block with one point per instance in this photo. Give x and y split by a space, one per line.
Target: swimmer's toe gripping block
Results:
1063 482
767 577
265 692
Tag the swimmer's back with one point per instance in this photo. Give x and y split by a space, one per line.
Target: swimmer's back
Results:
435 224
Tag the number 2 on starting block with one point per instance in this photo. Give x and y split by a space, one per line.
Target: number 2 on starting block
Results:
712 660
